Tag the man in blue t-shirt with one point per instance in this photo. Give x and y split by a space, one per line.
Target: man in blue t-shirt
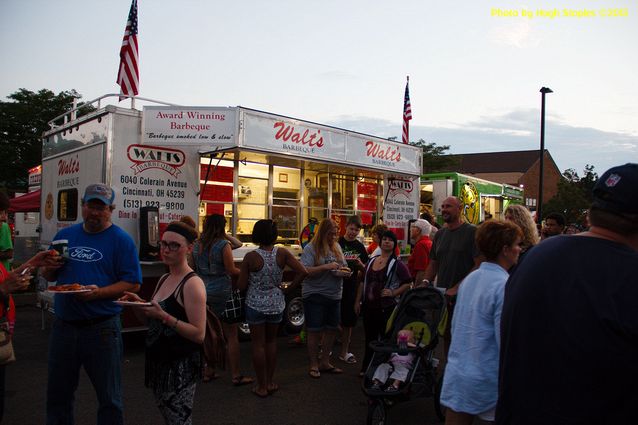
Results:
103 258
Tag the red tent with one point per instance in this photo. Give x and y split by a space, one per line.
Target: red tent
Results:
29 202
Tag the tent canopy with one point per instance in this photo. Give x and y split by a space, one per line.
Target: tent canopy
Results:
29 202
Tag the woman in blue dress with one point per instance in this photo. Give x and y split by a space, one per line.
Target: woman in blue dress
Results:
213 258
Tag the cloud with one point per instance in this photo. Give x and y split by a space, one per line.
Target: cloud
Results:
517 34
570 146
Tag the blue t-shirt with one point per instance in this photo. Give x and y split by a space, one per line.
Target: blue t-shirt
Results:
95 259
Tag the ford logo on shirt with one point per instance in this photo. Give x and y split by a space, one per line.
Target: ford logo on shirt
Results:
84 254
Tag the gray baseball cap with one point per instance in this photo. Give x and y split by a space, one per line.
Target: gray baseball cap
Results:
99 191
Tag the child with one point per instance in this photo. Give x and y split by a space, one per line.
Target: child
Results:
397 368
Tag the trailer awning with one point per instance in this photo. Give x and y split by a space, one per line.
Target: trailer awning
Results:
29 202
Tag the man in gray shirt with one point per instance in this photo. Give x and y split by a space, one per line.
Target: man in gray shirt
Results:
453 255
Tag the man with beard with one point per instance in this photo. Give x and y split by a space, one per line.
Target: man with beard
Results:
453 255
87 330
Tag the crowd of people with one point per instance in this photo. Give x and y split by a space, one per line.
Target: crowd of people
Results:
542 328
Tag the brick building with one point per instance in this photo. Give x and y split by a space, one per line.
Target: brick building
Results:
518 168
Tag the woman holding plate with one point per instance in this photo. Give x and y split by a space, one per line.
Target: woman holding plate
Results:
176 328
321 292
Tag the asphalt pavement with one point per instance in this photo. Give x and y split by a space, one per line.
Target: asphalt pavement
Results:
332 399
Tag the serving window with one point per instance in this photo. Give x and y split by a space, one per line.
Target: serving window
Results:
246 187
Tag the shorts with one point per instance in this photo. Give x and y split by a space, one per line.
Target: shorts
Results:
321 313
348 316
217 302
255 317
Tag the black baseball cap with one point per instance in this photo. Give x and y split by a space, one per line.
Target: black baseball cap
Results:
617 190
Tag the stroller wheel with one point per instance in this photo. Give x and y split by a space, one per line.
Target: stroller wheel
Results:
438 408
376 413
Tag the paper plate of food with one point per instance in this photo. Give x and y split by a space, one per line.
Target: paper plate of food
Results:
71 288
342 272
133 303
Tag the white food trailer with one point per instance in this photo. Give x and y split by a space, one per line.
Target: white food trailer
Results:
242 163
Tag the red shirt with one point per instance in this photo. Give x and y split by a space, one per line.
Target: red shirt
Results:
420 257
6 303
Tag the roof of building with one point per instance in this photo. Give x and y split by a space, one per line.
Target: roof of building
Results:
497 162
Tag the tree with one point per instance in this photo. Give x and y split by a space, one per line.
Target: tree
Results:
574 196
435 158
22 122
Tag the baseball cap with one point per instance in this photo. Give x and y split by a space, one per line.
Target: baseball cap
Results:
99 191
617 188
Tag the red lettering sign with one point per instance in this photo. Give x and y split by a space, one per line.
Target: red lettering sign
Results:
287 133
387 153
68 166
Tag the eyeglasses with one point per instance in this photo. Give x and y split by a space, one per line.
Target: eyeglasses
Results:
172 246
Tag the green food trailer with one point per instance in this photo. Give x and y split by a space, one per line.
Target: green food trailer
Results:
481 199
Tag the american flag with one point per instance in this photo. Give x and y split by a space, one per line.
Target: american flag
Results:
129 74
407 114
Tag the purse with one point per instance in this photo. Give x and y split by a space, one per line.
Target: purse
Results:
235 310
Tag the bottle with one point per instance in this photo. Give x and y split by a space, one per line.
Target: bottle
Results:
403 342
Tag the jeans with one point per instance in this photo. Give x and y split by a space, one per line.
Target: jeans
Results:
322 313
97 347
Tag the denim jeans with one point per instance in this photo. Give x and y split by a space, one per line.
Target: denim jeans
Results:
98 348
322 313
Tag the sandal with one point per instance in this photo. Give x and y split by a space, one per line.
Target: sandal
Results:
314 373
331 369
272 388
348 358
210 377
242 380
255 391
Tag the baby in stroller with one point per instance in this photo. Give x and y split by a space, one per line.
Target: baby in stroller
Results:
397 367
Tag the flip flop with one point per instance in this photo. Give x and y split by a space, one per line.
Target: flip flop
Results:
242 380
208 378
314 373
332 369
255 391
349 358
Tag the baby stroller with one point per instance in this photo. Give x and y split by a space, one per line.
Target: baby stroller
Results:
423 311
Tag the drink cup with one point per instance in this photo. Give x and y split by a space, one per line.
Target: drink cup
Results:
62 246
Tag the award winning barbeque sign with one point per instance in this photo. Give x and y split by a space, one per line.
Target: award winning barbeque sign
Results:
181 125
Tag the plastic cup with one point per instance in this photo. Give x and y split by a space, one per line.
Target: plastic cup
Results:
62 246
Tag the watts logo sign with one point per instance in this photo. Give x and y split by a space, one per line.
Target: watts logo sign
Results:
145 157
401 186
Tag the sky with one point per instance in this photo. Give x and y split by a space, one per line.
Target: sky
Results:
475 66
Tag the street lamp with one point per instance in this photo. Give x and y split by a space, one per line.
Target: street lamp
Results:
539 208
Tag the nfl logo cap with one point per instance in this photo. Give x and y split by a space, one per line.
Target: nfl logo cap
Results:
617 190
99 191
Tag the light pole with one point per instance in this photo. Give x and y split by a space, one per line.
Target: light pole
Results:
539 207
